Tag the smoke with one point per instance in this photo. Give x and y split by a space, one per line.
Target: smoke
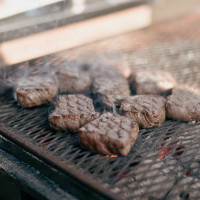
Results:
99 66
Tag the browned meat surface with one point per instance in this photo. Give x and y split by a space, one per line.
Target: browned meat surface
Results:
184 104
35 90
155 82
73 79
72 112
109 134
147 110
111 90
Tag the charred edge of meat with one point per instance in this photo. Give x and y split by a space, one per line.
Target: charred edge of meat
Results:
132 84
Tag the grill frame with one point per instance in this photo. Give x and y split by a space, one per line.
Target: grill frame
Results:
181 55
66 182
79 180
26 178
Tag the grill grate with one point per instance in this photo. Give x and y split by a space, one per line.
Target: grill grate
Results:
164 162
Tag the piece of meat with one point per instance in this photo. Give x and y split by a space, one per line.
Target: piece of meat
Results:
72 112
111 90
73 79
156 82
109 134
35 90
184 104
110 86
147 110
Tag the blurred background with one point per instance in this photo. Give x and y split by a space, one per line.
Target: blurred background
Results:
34 28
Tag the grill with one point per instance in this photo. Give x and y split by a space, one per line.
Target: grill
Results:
164 162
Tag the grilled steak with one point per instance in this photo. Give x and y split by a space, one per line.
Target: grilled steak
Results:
72 112
155 82
147 110
35 90
184 104
73 79
111 90
109 134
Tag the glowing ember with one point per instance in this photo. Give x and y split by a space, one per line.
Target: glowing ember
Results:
46 142
125 173
111 156
45 145
188 173
162 153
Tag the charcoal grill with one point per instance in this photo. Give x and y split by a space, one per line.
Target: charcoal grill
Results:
164 162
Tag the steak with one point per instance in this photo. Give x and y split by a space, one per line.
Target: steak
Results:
72 112
111 90
73 79
184 104
109 134
155 82
147 110
35 90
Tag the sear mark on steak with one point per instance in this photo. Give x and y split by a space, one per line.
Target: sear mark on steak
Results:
184 104
73 79
35 90
155 82
72 112
147 110
109 134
